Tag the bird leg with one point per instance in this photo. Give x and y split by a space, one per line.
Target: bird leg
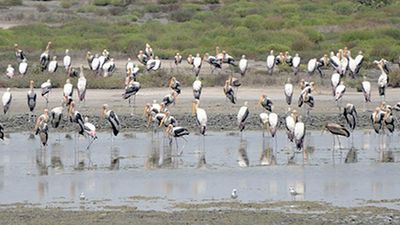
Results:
90 143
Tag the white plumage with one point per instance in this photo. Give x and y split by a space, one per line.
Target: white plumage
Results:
273 121
296 61
335 81
340 90
271 60
288 89
129 65
311 65
95 63
197 88
264 118
10 71
53 65
366 88
68 89
299 133
6 100
243 65
23 67
81 86
67 60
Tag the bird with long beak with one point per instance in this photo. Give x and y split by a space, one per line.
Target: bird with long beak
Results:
201 116
266 103
175 132
337 130
44 118
174 84
31 97
229 92
112 118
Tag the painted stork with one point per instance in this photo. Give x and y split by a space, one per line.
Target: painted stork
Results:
67 60
339 92
6 99
23 67
229 93
46 88
177 59
350 114
243 65
19 53
10 71
296 63
264 117
290 123
103 58
148 51
299 134
201 116
355 64
189 59
90 131
129 65
288 89
108 67
142 58
270 62
76 117
176 132
165 119
335 81
81 86
366 89
266 103
68 92
197 88
89 59
228 59
95 65
112 118
56 116
383 79
169 99
197 62
45 57
242 116
213 61
306 98
273 123
377 119
312 65
41 127
130 90
31 97
337 130
175 85
53 65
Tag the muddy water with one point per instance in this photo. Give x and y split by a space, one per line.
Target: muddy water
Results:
143 170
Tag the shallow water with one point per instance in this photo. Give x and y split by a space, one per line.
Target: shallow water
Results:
144 171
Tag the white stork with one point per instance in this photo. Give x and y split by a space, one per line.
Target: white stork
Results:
242 116
10 71
201 116
197 88
67 60
23 67
53 65
243 65
6 99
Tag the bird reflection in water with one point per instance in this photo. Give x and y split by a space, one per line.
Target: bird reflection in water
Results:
56 162
243 159
351 156
41 162
153 159
268 157
115 159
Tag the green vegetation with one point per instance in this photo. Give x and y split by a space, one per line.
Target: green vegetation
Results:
310 28
10 2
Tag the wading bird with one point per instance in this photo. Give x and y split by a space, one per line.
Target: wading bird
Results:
266 103
299 134
19 53
290 123
350 114
6 100
46 88
68 92
288 89
23 67
169 99
45 57
337 130
90 131
197 88
89 59
177 59
229 92
273 123
76 117
335 81
142 58
312 65
31 97
95 65
130 90
175 85
53 65
175 132
108 68
264 121
112 118
56 115
81 86
213 61
340 90
67 60
383 79
201 116
243 65
242 116
41 127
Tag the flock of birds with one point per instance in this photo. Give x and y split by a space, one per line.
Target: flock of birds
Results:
159 114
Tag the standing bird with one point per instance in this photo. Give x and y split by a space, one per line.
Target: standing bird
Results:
68 92
296 64
337 130
19 53
169 99
350 114
229 93
90 131
288 89
142 58
148 51
335 81
129 65
242 116
130 90
197 88
10 71
76 117
56 115
108 67
355 64
314 64
290 123
243 65
112 118
53 65
264 117
175 132
6 99
67 60
178 59
46 88
95 65
266 103
273 123
339 92
23 67
383 79
270 62
197 62
201 116
366 89
31 97
299 134
89 59
45 57
189 59
42 128
174 84
81 86
213 61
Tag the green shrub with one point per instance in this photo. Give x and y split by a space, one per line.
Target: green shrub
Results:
10 2
394 78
